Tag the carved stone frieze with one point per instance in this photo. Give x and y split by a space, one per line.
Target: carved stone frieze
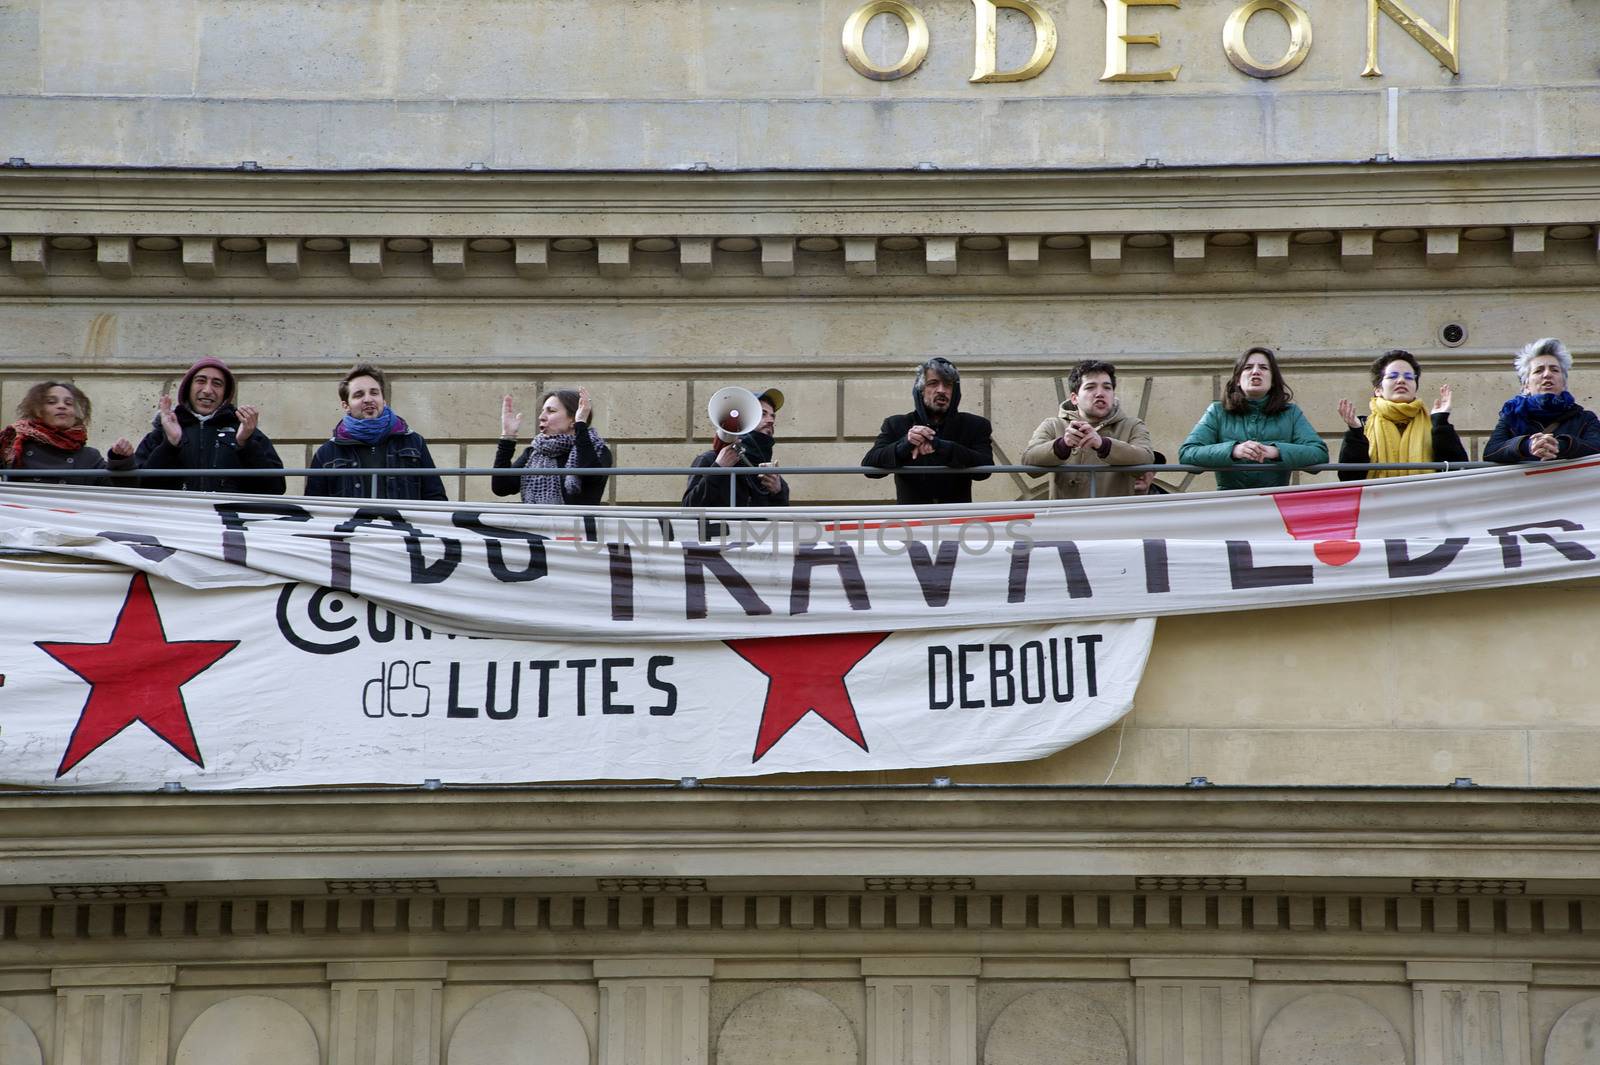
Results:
216 232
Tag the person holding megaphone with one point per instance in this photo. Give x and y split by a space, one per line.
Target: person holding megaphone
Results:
744 422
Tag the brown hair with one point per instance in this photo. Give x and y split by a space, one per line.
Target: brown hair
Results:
567 397
362 369
1087 367
1279 394
1382 362
32 405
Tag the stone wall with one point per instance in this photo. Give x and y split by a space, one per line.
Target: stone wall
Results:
762 84
654 293
1092 929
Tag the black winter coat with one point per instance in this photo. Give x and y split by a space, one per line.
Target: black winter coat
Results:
591 490
1578 433
209 445
37 455
712 491
962 439
398 450
1447 446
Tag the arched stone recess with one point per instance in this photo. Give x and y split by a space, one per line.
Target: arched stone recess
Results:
1326 1028
1575 1039
1055 1027
250 1030
518 1027
793 1025
18 1044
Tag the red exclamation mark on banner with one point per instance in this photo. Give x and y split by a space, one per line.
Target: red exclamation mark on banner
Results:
1328 516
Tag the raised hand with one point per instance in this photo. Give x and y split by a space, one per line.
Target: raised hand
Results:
1442 404
169 420
248 416
585 407
510 419
1347 411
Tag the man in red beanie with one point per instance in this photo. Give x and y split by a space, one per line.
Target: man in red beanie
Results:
205 431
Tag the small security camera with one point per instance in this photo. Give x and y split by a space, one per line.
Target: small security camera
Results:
1453 334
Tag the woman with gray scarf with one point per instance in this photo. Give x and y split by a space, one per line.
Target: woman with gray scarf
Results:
565 442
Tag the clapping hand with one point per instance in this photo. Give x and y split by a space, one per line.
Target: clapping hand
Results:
248 416
1347 411
169 420
585 407
1442 404
510 420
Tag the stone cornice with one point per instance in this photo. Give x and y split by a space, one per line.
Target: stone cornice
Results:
734 837
128 232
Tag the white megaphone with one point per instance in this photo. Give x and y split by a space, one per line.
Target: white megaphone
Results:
734 412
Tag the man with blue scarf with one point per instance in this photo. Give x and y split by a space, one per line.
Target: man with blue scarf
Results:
371 436
1543 421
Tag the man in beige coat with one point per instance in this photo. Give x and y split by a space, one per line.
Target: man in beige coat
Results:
1092 430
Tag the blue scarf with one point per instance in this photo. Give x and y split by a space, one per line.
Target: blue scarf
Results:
1524 414
353 430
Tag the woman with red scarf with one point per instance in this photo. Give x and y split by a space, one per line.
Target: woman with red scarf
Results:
52 433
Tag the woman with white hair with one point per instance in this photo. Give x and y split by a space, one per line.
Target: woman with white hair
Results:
1543 421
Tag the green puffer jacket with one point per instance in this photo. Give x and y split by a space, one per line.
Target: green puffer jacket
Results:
1212 441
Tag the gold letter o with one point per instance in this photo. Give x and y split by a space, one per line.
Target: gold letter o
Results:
1299 38
855 29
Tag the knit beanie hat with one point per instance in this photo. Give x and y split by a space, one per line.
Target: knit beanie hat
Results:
213 363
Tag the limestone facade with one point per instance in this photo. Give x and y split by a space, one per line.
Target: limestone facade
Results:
1172 925
1388 854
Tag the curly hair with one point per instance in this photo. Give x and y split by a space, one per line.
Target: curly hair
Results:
33 400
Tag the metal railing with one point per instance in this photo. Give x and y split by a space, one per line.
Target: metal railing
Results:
124 478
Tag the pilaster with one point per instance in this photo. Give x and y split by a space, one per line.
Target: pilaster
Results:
113 1015
1471 1013
921 1010
386 1012
654 1011
1192 1011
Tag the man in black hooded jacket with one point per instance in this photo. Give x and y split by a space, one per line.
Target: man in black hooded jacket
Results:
203 430
935 433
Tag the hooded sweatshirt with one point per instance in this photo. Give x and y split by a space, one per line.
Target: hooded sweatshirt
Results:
960 440
1126 442
209 443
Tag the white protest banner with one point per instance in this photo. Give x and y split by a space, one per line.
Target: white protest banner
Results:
110 678
640 574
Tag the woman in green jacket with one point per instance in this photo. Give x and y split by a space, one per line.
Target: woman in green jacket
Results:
1255 422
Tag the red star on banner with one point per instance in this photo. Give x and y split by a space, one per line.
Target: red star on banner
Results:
135 677
806 675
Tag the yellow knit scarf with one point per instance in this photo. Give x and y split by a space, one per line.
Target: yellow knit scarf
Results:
1398 432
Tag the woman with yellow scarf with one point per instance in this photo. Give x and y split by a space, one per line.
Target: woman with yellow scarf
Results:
1399 428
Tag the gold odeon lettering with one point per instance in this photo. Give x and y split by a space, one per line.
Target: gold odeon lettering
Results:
855 30
1118 38
1299 38
986 43
1444 47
